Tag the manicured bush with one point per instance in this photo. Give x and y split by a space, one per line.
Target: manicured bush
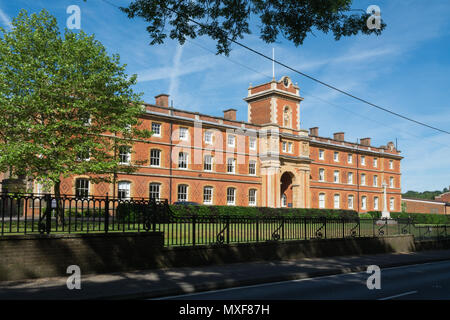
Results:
422 218
236 211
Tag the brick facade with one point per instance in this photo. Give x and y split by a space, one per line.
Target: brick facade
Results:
286 158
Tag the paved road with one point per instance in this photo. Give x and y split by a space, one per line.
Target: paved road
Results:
421 281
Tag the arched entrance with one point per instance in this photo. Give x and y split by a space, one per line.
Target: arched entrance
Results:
286 193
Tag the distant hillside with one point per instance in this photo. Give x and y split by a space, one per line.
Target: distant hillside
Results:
429 195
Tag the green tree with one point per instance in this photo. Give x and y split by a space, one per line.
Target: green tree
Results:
225 20
63 100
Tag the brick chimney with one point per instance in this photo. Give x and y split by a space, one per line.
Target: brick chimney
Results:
314 131
162 100
365 141
339 136
229 114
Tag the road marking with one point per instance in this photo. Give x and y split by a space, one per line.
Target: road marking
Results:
399 295
294 280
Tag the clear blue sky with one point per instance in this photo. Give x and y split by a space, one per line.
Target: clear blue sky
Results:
406 69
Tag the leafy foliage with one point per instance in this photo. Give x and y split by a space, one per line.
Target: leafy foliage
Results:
62 97
235 211
422 218
430 195
225 20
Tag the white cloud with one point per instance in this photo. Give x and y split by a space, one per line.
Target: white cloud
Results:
4 18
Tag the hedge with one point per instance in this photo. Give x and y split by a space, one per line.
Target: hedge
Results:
423 218
236 211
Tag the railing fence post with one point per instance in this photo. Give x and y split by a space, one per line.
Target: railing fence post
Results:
304 220
48 212
106 213
257 229
228 229
193 229
282 228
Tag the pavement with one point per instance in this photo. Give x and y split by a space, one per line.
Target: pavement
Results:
176 281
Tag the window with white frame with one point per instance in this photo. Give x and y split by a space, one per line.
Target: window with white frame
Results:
155 191
336 156
391 164
123 190
184 133
231 140
289 147
337 201
364 202
252 143
156 129
252 167
375 181
252 197
208 137
375 162
391 182
375 203
321 174
350 201
82 188
350 158
392 204
182 192
322 200
155 157
363 179
336 176
182 160
208 163
321 154
208 195
231 165
284 146
350 178
124 154
231 196
363 160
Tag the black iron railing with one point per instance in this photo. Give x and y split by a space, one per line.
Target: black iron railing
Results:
33 214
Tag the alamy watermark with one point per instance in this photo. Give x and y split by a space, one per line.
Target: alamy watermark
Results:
374 21
74 20
74 280
374 281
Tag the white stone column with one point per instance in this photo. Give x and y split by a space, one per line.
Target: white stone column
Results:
385 214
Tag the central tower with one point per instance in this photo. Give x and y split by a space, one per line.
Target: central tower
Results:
283 146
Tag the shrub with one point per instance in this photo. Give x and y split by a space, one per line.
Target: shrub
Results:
422 218
85 212
236 211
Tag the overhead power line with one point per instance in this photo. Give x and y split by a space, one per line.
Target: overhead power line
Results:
304 74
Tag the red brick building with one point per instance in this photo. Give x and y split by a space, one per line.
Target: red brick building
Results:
269 160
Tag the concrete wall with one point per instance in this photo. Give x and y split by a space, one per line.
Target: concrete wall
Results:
24 257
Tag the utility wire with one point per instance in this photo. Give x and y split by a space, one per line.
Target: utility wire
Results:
302 73
306 94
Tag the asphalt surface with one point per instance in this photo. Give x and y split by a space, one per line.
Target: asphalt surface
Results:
428 281
145 284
